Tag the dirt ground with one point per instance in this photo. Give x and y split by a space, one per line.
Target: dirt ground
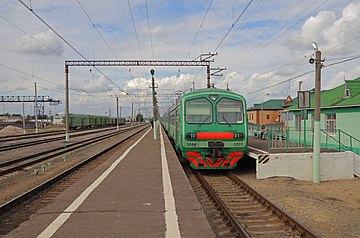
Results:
330 209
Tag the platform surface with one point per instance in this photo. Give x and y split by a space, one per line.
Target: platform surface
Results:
128 202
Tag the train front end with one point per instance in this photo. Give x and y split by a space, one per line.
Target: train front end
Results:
214 129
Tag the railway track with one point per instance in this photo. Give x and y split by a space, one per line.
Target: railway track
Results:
41 139
19 209
236 210
10 166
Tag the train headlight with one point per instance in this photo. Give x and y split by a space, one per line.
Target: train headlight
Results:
191 135
238 135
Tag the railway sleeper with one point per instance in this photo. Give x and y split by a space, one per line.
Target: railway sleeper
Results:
259 221
247 209
250 212
241 204
229 195
275 225
253 216
284 231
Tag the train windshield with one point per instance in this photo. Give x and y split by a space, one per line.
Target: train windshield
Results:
198 111
229 111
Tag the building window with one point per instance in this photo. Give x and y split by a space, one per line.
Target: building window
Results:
346 93
268 117
330 123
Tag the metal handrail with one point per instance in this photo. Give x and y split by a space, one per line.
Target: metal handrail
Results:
301 139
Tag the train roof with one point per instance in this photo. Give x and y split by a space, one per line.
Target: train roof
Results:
210 90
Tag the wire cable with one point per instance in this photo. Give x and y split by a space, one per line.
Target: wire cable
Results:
197 33
62 38
136 34
268 28
23 31
303 74
261 45
148 19
232 26
277 84
31 75
112 51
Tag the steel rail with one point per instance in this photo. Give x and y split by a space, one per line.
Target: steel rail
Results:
232 219
58 151
30 143
30 193
305 232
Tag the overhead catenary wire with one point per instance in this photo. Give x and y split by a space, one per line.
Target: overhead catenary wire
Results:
41 79
93 24
32 74
303 74
98 31
28 74
197 33
34 38
63 39
134 26
23 31
232 26
343 61
268 28
149 26
282 82
256 9
261 45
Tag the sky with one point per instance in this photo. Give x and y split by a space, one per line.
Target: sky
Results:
265 47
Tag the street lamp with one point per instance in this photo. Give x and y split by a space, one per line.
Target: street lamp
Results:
262 108
152 72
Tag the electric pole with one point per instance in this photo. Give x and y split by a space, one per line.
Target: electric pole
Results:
117 113
67 128
36 123
316 156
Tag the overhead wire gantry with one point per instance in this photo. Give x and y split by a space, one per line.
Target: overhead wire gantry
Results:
205 60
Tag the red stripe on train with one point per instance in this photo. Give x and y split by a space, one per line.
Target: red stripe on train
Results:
214 135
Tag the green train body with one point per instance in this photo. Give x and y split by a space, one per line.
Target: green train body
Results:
209 128
84 120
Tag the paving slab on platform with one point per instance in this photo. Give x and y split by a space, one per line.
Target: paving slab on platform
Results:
129 202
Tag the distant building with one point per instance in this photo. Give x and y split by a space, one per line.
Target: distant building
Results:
59 120
11 118
339 114
266 113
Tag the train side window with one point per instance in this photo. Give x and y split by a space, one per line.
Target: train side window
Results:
229 111
198 110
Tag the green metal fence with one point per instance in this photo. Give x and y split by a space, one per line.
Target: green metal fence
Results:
303 140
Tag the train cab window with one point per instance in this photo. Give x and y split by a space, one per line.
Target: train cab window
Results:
198 110
229 111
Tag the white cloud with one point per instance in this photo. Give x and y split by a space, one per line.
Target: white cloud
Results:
331 33
99 85
44 43
251 66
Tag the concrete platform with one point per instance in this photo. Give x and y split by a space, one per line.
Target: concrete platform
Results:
334 165
127 196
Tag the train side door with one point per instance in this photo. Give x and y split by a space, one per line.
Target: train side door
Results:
176 126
